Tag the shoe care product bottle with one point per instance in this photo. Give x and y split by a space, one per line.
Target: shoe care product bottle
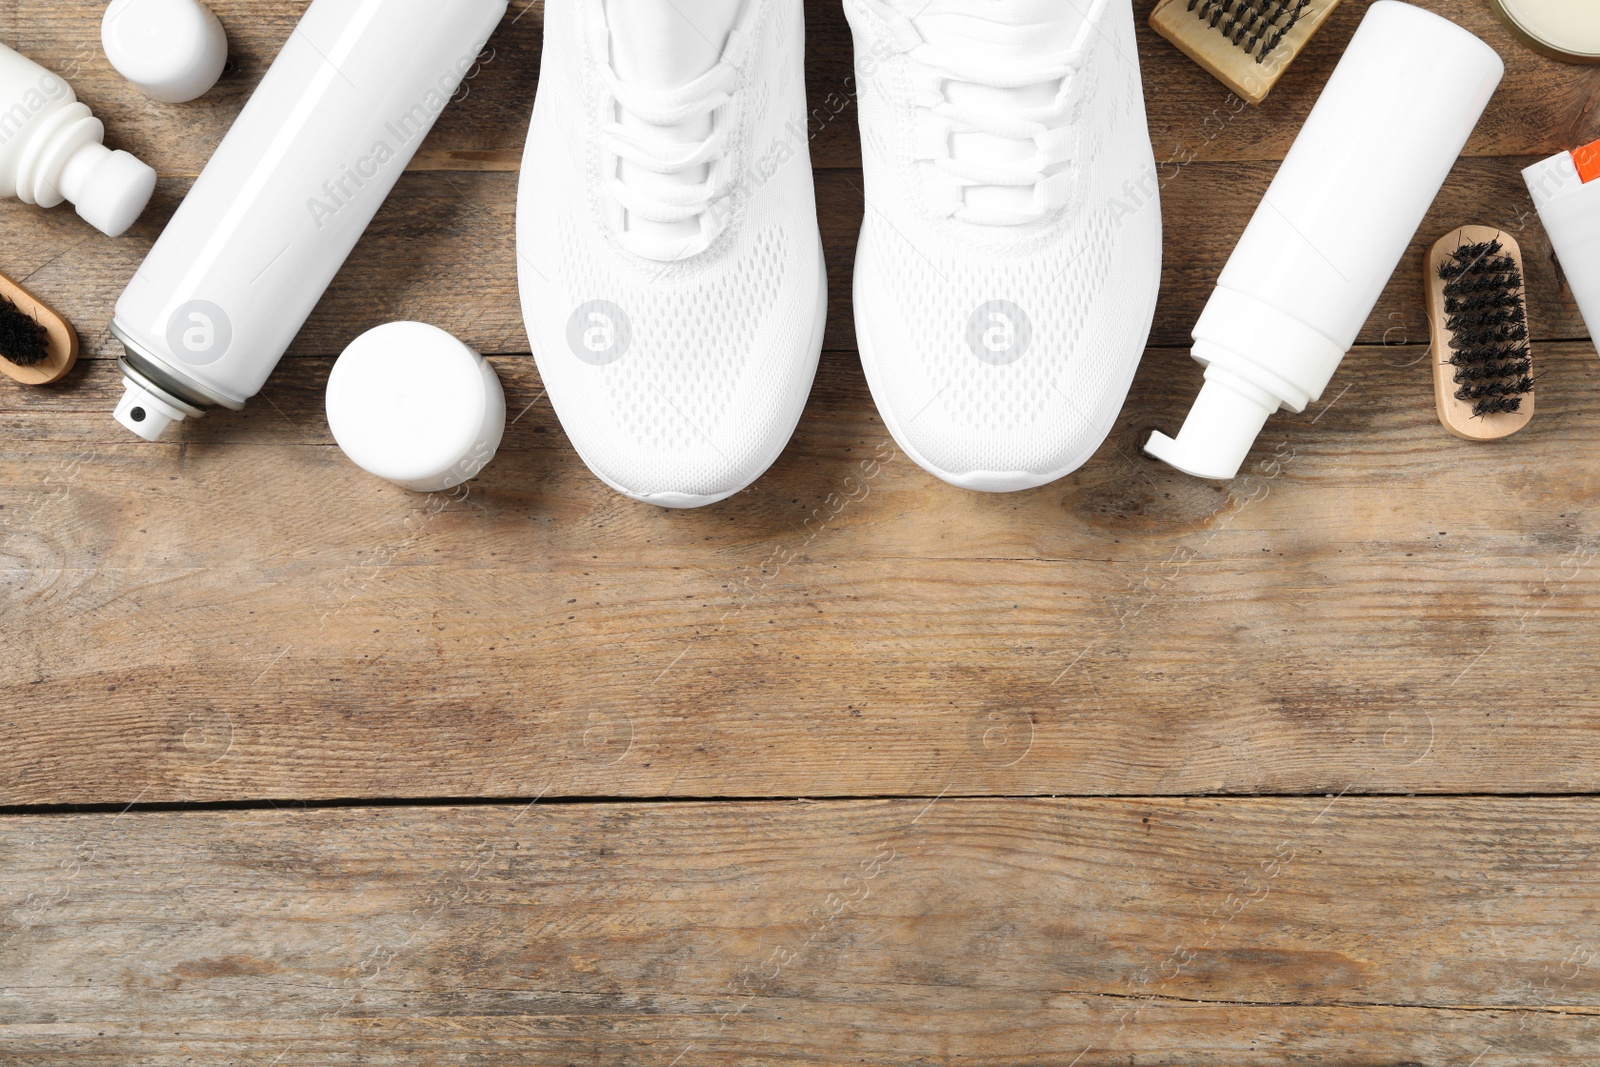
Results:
410 403
1332 227
288 193
50 150
1566 192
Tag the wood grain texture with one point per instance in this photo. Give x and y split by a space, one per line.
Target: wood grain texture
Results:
1542 107
239 612
1195 932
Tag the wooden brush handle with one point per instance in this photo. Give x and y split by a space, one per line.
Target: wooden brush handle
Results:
63 339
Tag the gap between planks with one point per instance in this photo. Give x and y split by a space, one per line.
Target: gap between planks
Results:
541 800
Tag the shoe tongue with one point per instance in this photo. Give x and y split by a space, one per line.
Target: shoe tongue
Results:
999 34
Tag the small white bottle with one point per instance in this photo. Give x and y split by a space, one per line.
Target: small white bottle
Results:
410 403
51 150
284 199
1339 214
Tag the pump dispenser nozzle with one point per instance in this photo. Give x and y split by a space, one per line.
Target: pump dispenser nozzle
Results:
1221 427
145 413
1257 360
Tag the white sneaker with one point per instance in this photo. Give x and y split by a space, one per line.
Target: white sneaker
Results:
1010 256
670 265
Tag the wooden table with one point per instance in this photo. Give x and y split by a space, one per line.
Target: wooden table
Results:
301 768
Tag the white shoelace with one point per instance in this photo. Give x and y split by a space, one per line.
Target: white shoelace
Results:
705 96
1046 173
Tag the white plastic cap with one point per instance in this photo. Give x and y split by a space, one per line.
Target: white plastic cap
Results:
173 50
109 189
1220 430
410 403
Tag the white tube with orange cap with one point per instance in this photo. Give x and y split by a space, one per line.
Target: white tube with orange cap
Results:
1566 192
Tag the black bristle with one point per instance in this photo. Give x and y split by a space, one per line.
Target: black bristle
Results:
1500 405
1257 26
22 340
1242 22
1250 29
1272 42
1488 328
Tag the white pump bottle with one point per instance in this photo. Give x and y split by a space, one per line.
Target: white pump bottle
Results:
286 197
1332 227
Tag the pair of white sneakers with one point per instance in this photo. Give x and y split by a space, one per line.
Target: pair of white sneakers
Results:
672 271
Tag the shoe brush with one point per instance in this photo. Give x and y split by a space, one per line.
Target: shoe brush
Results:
1478 315
1245 44
37 346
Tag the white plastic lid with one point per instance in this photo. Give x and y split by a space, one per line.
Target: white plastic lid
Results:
109 189
173 50
410 403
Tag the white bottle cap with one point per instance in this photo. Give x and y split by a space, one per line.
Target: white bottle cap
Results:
410 403
109 189
174 50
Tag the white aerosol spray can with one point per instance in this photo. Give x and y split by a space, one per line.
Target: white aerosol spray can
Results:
288 193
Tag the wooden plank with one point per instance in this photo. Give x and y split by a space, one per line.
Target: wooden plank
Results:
830 631
1378 606
442 250
1542 107
1242 932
